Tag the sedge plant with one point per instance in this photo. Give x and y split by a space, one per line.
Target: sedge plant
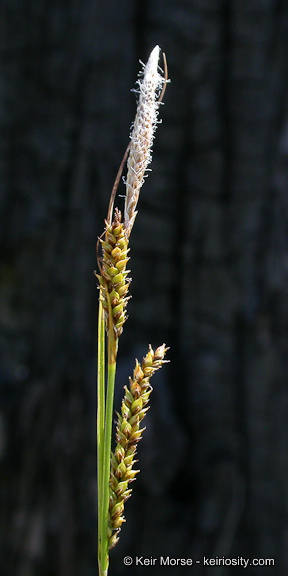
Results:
115 470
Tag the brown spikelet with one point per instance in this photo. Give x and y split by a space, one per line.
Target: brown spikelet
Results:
128 433
113 279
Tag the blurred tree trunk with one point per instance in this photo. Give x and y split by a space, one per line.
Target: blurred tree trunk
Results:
209 268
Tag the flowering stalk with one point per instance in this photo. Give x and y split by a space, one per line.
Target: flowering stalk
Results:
113 298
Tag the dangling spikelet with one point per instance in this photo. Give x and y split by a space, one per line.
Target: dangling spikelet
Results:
128 433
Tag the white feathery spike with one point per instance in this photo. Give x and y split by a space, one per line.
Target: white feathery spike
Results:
144 127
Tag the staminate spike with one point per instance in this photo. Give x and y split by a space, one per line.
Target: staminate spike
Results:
142 135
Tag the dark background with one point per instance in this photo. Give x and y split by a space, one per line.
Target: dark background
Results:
209 262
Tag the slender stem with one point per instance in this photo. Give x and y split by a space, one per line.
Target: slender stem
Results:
112 346
106 462
100 414
115 185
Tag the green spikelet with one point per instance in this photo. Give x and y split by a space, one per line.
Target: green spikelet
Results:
128 433
113 280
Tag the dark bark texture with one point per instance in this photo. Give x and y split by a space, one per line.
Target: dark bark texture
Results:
209 261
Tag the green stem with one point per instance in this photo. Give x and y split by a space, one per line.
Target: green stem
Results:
100 415
112 346
106 462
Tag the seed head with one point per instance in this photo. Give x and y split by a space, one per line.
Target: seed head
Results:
128 433
113 279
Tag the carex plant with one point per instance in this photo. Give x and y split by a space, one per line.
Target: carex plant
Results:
116 469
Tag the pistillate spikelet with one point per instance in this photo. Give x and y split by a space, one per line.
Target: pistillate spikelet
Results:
128 434
113 280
